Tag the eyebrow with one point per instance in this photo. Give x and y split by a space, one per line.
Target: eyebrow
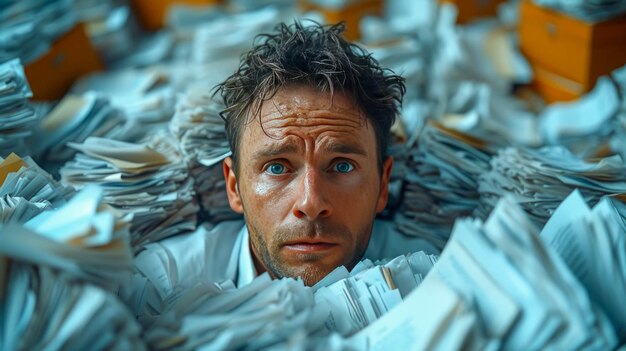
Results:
275 150
345 148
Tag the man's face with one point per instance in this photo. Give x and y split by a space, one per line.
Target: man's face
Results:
308 183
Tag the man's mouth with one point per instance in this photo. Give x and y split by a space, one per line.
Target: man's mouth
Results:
305 246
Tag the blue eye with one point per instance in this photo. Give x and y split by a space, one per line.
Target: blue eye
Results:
276 168
344 167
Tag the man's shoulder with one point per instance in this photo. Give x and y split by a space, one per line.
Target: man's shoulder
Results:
186 259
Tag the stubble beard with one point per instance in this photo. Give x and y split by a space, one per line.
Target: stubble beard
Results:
309 271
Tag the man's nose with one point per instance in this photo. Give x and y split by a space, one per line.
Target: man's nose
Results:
311 201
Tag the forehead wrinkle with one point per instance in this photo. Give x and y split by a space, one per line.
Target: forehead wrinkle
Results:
298 120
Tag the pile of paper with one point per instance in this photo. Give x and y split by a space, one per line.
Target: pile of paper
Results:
588 10
432 317
479 109
145 96
592 242
44 310
358 298
28 27
200 132
84 239
149 181
230 35
520 294
219 317
110 27
539 179
27 190
584 126
17 117
441 183
73 120
59 277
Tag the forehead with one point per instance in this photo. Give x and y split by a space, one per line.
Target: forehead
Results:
304 109
301 117
300 99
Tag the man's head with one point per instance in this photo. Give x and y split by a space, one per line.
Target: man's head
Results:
308 118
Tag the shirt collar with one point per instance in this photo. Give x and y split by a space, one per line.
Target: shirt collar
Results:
245 270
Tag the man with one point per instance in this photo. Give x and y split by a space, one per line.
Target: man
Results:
308 118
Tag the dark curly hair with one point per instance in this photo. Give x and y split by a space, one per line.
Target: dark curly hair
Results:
316 55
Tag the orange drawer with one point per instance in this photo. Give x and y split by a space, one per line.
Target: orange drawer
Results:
71 57
569 47
152 13
351 14
470 10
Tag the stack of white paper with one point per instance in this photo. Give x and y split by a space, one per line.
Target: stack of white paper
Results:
432 317
43 310
73 120
588 10
592 242
258 316
85 239
539 179
144 95
28 27
441 183
358 298
230 35
480 110
20 210
27 190
17 117
109 27
497 286
584 125
149 181
24 178
200 132
59 276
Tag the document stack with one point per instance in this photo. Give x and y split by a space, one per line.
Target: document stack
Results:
59 276
229 36
441 182
584 126
497 285
592 242
587 10
200 132
539 179
219 317
27 190
145 96
84 238
17 117
29 27
74 119
358 298
146 180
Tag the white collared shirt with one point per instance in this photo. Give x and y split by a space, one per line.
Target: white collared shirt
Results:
246 272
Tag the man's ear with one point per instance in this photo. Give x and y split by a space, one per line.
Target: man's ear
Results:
232 190
384 185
